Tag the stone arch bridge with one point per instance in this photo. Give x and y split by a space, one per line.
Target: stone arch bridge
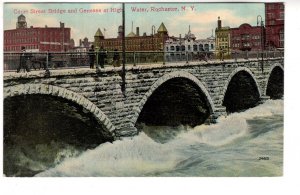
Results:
157 94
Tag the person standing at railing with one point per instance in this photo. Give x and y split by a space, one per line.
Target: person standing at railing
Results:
50 56
91 55
24 60
101 57
116 58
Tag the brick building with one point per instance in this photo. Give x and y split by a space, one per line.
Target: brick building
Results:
247 38
56 39
274 14
133 41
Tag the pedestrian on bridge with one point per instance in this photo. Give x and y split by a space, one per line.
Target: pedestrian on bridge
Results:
102 54
24 60
116 58
92 56
50 57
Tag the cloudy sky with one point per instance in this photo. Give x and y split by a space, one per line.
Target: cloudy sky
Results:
202 17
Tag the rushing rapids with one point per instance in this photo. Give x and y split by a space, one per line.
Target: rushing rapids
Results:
249 143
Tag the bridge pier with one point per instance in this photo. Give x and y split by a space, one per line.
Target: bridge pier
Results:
263 99
219 111
126 132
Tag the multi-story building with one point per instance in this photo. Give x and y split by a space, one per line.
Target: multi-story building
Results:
37 39
133 41
247 38
274 14
178 46
84 45
222 40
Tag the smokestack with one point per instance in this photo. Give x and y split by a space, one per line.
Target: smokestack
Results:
62 25
219 23
137 31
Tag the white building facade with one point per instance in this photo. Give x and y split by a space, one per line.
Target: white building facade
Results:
178 47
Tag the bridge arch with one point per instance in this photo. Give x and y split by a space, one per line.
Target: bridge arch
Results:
167 77
241 90
233 73
43 89
276 65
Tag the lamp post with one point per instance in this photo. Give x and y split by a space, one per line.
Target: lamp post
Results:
261 39
180 48
163 49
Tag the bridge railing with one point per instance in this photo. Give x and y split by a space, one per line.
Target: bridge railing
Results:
62 60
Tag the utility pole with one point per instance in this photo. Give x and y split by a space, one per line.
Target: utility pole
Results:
261 40
123 50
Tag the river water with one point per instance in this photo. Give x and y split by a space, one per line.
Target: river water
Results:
248 143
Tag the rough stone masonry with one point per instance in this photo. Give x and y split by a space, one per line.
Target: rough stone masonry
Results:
100 93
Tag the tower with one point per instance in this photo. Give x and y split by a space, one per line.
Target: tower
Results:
219 23
162 30
163 33
21 22
98 37
120 32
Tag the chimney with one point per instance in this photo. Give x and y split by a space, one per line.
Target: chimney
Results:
62 25
144 34
80 42
137 31
219 23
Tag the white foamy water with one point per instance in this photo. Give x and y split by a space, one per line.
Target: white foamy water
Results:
232 147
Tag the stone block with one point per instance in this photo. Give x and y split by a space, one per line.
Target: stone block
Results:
89 105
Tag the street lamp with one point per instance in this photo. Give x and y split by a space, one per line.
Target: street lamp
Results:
180 48
261 39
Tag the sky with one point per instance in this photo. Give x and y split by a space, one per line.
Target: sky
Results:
202 17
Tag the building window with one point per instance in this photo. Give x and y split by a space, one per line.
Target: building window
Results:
281 38
245 36
212 46
281 15
182 48
206 47
195 47
271 6
172 48
272 22
201 47
281 7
